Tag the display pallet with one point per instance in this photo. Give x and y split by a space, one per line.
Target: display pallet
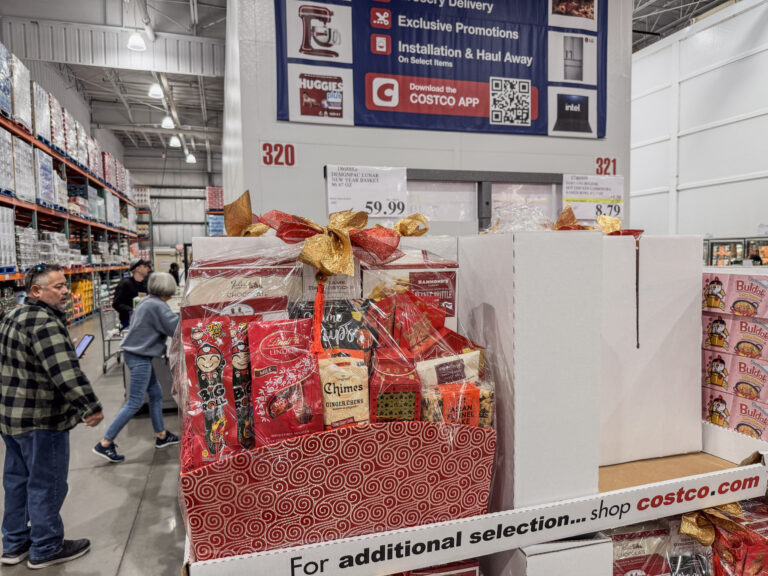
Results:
8 193
8 269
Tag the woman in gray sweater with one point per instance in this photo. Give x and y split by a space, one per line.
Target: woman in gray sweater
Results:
151 324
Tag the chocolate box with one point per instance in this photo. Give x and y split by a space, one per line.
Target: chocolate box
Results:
233 283
424 273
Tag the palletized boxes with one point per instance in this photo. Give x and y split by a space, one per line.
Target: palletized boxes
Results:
81 151
216 225
214 198
95 164
113 209
109 168
6 167
119 176
70 134
23 170
42 112
142 196
6 102
44 177
128 185
7 238
20 92
58 136
131 225
60 189
27 248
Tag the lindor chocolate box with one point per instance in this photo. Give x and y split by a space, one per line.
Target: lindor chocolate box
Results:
242 280
420 271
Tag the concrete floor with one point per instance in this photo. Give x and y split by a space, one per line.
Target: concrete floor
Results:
129 511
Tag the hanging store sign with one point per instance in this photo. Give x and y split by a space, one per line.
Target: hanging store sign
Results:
529 67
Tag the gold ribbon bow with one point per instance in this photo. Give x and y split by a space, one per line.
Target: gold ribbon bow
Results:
701 525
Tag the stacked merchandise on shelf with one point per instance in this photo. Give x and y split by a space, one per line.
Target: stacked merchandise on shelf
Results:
70 134
6 167
142 196
27 248
82 292
42 112
21 94
54 247
44 178
214 198
119 175
60 190
81 145
216 225
6 100
78 200
95 161
270 375
142 229
112 206
7 239
58 134
23 170
96 204
128 185
735 351
658 549
130 217
109 168
124 252
7 299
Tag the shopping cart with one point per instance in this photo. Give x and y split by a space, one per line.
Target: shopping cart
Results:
110 333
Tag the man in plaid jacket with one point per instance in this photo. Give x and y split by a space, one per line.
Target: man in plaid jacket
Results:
43 395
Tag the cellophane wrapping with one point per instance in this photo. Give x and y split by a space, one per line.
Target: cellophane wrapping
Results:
42 112
58 130
21 91
70 134
6 99
658 549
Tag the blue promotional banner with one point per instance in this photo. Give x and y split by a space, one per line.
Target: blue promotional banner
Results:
516 67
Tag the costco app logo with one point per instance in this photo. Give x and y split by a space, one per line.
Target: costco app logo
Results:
385 92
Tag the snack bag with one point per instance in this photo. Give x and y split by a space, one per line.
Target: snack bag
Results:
344 376
395 388
241 380
286 394
210 423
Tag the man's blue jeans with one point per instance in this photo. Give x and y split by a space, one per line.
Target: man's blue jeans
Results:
143 381
35 483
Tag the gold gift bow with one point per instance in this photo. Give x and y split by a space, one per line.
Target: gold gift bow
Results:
330 248
701 525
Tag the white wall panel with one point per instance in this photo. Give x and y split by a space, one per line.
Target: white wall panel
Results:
652 116
650 167
650 213
740 87
730 38
724 152
110 143
730 210
653 71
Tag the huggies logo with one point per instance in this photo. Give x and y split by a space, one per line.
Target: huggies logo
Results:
385 92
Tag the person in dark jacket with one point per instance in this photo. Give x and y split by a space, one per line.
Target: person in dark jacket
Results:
174 271
128 288
43 395
152 324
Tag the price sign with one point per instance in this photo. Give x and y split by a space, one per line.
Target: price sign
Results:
382 192
593 196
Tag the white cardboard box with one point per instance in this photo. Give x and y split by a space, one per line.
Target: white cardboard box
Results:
584 557
651 348
533 298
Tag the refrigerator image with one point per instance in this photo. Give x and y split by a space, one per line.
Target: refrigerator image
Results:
573 58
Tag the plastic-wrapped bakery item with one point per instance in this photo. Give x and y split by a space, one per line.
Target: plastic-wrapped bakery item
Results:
6 100
58 130
21 92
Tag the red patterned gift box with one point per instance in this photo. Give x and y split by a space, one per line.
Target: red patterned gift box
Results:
337 484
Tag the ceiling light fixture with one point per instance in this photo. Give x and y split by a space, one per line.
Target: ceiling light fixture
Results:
136 42
167 123
174 142
155 91
191 158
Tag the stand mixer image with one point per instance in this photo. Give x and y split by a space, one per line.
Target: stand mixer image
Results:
317 37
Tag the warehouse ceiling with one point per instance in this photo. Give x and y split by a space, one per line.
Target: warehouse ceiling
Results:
653 20
184 56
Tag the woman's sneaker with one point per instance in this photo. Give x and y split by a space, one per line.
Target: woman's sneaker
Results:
70 549
170 438
110 453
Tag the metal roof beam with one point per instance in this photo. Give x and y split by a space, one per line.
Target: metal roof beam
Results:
199 133
107 47
114 79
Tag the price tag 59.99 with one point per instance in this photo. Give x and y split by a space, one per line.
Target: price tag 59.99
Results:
378 208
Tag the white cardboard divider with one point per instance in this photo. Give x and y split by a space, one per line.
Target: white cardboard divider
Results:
651 394
434 544
582 557
730 445
533 299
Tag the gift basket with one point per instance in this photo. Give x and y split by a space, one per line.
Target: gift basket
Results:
324 390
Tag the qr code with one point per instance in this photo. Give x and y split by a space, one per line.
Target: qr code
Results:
510 101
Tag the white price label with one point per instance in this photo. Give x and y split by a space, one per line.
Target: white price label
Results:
381 192
593 196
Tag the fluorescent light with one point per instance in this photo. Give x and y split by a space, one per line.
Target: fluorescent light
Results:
155 91
136 42
174 142
191 158
167 123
